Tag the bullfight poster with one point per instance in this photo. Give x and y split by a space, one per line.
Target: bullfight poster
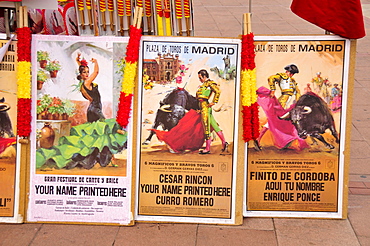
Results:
9 163
187 143
80 167
296 166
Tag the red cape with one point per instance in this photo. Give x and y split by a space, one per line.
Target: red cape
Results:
340 17
187 135
6 142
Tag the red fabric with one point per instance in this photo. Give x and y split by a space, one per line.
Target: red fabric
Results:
187 135
341 17
6 142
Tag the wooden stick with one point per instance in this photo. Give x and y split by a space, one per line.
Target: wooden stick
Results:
180 26
25 16
6 19
111 18
187 26
89 13
149 21
187 16
178 12
148 13
158 7
121 12
21 16
138 17
80 7
247 24
103 9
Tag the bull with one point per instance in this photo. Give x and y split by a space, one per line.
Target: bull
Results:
312 117
5 123
172 108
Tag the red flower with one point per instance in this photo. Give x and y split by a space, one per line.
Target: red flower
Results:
83 62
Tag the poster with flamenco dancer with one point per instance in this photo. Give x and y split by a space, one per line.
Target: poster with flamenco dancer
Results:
80 164
296 167
187 136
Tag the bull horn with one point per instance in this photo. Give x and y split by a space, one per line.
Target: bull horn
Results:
4 107
285 115
165 108
307 110
218 110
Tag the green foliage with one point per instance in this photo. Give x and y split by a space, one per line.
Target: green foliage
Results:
42 55
41 75
53 66
43 103
55 105
83 141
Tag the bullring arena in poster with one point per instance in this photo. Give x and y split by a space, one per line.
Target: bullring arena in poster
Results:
187 132
297 164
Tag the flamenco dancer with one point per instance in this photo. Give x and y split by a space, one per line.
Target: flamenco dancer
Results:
89 89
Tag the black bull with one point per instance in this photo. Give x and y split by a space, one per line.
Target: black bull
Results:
172 108
312 117
5 123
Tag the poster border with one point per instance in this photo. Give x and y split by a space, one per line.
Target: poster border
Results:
345 128
32 138
20 169
236 212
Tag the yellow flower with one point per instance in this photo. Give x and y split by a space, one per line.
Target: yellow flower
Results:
128 83
24 79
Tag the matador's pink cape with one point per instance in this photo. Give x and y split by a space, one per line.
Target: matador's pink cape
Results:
283 131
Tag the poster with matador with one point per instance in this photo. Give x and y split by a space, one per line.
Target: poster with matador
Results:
10 164
187 129
296 165
80 168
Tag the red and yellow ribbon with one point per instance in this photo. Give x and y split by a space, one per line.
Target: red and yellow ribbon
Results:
128 7
178 13
24 82
148 8
102 6
139 3
158 8
110 6
178 9
248 89
120 8
186 9
167 15
80 5
129 76
88 4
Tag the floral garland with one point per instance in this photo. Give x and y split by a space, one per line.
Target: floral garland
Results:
248 89
129 76
24 82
